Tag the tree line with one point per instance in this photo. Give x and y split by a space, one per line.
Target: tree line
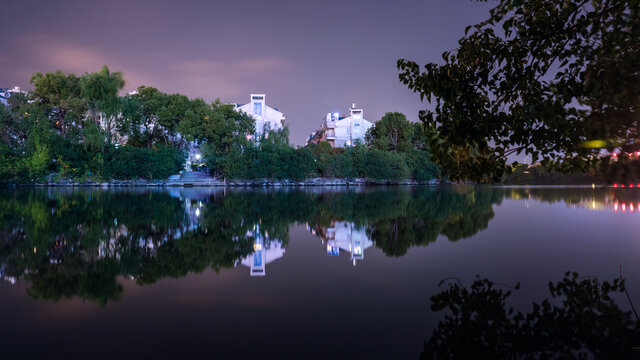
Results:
80 128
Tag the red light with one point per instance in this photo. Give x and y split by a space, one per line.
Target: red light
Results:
622 185
614 155
631 207
637 153
615 185
630 185
615 206
624 207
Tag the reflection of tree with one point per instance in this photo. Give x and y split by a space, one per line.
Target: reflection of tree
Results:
581 321
400 218
76 243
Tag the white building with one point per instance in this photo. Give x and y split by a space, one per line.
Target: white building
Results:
5 94
342 131
266 117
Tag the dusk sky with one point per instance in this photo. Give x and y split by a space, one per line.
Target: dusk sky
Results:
310 58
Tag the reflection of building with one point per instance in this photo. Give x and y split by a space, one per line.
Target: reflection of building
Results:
266 117
342 235
264 252
342 131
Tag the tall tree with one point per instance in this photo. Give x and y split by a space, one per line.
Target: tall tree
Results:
59 95
558 80
100 91
391 133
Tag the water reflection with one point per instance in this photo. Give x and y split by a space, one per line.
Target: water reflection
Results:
345 236
77 242
580 320
265 250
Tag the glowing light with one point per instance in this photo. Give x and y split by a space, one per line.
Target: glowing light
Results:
197 212
328 247
593 186
615 185
630 185
198 156
615 207
631 207
594 143
614 155
624 207
257 247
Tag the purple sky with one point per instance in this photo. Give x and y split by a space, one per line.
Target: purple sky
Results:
310 58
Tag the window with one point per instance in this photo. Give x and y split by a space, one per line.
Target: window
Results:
257 108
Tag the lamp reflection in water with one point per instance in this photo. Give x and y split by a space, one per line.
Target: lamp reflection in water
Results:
265 250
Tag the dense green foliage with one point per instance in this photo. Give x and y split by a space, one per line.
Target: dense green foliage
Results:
78 128
558 80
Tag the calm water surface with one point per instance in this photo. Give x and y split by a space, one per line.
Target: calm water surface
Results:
321 273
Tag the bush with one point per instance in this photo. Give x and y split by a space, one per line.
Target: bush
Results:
420 165
384 165
129 162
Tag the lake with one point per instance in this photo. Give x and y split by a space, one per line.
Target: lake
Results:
389 273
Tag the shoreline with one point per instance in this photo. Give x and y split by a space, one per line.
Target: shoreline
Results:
232 183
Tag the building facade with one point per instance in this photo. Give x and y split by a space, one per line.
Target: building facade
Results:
266 117
5 94
340 131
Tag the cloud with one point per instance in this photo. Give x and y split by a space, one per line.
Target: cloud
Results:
194 76
228 79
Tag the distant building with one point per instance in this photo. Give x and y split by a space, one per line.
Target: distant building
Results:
5 94
342 131
266 117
